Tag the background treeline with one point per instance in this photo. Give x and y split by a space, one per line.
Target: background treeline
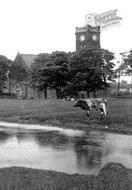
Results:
67 73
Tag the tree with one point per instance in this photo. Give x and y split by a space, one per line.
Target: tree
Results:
50 71
38 77
125 67
58 70
69 73
18 73
91 69
4 67
117 74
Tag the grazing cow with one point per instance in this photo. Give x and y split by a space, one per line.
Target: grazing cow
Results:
93 103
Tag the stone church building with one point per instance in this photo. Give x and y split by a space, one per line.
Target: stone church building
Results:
23 89
87 37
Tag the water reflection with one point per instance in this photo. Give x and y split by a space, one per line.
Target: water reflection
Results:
51 150
4 136
88 156
54 139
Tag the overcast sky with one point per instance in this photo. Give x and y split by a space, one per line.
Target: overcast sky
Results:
38 26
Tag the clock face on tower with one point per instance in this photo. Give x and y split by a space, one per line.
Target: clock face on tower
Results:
82 38
94 37
87 37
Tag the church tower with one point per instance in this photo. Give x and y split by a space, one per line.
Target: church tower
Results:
87 37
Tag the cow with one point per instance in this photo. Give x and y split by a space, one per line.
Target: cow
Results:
93 103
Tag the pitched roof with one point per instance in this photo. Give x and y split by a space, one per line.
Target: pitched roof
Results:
25 59
28 59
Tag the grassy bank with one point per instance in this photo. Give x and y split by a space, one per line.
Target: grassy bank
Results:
111 177
62 113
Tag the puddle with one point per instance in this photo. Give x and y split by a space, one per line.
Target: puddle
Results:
69 151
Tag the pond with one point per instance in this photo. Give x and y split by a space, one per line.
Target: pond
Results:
62 150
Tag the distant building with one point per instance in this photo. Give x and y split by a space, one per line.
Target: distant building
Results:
87 37
22 89
26 59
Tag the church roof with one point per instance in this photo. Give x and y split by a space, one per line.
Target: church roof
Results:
28 59
25 59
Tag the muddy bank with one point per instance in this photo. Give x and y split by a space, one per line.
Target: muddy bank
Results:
83 125
111 177
63 114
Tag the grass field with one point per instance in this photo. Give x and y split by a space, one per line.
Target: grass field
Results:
62 113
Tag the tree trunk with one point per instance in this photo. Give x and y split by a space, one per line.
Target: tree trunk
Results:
105 91
88 94
94 93
45 93
38 94
58 93
26 92
118 86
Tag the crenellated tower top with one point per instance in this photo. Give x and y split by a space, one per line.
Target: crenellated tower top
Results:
87 37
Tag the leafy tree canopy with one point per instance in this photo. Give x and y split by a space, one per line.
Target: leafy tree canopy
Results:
85 70
91 69
4 67
18 72
126 65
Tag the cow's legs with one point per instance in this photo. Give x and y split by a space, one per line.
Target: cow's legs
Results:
103 113
103 110
88 113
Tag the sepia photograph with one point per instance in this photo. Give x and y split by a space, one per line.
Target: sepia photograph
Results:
65 95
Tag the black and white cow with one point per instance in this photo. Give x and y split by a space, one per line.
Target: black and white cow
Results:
92 103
